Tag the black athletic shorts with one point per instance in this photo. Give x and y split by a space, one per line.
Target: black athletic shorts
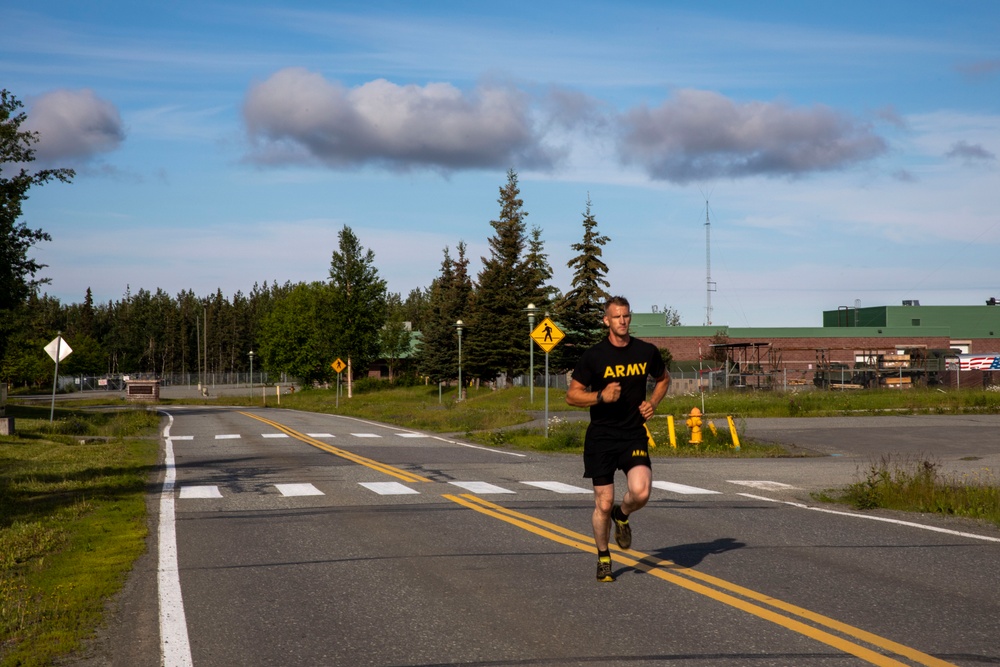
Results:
601 465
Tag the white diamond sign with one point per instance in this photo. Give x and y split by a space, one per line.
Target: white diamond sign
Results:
59 347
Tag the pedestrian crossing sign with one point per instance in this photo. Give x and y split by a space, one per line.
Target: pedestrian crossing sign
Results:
338 365
547 335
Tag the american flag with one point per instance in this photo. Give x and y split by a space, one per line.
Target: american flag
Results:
979 362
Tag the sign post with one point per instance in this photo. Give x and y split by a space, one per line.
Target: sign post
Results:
58 349
547 335
338 366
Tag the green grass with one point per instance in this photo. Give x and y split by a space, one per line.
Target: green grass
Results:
918 400
921 487
72 521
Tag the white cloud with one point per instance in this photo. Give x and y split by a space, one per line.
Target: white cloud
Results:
74 125
297 116
701 134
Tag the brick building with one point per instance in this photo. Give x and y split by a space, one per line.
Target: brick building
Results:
878 346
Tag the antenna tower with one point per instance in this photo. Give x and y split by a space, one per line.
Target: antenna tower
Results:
709 285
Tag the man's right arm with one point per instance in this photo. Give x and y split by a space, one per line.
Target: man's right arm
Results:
578 396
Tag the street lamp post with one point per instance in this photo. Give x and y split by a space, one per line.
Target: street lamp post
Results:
459 325
531 310
251 373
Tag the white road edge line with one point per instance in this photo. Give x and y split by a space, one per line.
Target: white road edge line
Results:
485 449
175 648
874 518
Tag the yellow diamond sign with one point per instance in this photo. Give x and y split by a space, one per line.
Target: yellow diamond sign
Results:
338 365
547 335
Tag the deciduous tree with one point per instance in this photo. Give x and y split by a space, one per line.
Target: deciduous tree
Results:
359 303
295 336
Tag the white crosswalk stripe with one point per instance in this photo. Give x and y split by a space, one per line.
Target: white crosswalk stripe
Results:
205 491
559 487
481 487
388 488
683 489
298 490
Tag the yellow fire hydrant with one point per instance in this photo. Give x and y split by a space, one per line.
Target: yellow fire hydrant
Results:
694 423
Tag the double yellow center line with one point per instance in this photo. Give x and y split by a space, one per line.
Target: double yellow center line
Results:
763 606
758 604
343 453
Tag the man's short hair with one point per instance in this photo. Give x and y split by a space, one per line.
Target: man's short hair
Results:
616 301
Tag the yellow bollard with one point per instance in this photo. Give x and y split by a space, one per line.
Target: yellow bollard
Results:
732 432
670 429
694 423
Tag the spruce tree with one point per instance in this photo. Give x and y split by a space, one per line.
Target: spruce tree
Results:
509 280
448 302
581 310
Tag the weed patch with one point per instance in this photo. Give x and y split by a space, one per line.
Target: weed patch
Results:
920 487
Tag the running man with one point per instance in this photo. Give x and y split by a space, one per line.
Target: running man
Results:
610 379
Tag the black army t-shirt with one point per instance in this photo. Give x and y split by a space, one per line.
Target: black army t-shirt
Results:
630 365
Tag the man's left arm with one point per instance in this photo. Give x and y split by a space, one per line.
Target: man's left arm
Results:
648 407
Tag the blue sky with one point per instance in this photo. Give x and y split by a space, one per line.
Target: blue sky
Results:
847 151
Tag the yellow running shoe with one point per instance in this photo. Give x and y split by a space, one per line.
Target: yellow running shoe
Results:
623 532
604 570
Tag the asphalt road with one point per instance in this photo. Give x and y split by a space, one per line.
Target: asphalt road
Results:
308 539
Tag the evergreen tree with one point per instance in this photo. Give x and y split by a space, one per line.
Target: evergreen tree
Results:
394 339
509 280
359 302
538 272
581 310
189 321
450 294
17 270
24 363
416 307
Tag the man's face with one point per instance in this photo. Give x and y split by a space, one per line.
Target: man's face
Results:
617 319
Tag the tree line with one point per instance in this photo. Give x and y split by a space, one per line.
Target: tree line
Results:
299 329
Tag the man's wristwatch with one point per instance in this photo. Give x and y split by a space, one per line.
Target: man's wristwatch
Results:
600 398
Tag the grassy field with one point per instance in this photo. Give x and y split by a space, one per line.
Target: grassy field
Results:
72 521
72 492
